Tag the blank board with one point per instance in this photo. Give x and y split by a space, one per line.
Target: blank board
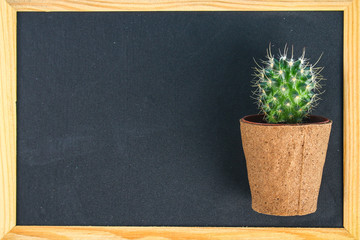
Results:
131 118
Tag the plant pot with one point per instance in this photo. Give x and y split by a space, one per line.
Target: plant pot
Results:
285 163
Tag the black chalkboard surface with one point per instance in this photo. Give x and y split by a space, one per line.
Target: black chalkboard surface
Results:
131 118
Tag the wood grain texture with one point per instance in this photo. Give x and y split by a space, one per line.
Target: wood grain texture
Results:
175 5
166 233
352 118
7 117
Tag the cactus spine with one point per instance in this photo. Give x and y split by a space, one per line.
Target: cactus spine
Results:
286 89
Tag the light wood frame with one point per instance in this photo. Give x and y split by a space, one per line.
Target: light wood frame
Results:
351 103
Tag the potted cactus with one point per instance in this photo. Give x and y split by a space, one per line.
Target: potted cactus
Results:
285 147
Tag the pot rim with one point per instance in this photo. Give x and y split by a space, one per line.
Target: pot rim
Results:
323 120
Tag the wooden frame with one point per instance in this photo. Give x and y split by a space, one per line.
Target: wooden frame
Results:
8 228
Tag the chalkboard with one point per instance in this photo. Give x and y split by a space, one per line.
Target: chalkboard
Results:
131 118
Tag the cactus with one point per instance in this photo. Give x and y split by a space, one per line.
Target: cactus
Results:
286 89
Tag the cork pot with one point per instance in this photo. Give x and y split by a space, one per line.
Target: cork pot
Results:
285 163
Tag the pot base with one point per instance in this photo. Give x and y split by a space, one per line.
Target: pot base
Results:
278 211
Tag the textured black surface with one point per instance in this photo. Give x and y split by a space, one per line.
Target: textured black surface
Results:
132 118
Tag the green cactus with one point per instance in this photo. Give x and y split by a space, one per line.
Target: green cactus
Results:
286 89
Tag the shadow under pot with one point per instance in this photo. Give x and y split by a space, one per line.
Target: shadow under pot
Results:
285 163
